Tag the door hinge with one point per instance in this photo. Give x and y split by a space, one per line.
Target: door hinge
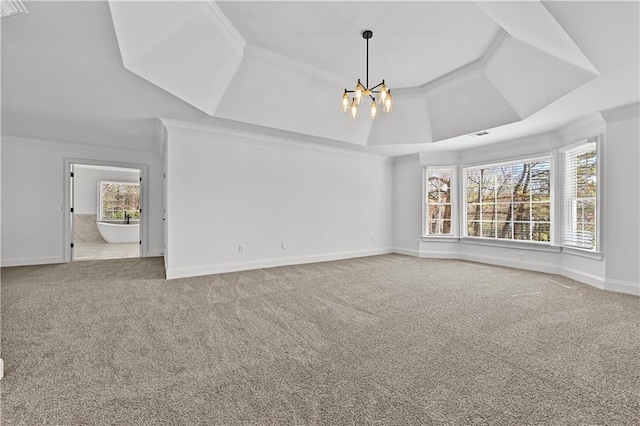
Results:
140 178
71 245
71 174
140 242
71 209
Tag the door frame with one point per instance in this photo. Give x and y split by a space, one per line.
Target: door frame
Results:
67 229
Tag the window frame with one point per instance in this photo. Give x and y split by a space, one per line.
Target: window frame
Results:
551 158
99 215
455 227
574 249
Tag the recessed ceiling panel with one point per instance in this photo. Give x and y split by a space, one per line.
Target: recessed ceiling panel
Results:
270 92
530 79
470 106
413 42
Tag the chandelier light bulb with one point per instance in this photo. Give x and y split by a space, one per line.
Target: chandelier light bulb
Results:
374 110
354 109
345 102
388 103
383 92
359 90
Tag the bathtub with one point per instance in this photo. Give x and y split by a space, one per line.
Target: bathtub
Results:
119 232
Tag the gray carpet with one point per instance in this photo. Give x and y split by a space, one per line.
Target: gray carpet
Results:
379 340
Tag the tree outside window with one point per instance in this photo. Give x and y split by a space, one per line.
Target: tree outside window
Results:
118 199
438 219
509 201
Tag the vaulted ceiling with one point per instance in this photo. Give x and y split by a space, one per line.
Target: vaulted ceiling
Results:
100 73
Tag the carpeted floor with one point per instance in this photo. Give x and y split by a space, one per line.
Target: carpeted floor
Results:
379 340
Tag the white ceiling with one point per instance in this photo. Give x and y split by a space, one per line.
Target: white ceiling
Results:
100 73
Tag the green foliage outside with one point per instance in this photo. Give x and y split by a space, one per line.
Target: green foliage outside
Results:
120 199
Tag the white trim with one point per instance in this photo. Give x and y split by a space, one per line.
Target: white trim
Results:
408 252
25 261
583 128
1 368
440 239
583 277
582 253
511 244
245 136
271 263
75 146
154 253
548 268
620 113
429 254
627 287
406 158
516 149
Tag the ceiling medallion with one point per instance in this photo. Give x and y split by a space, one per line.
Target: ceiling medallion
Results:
361 91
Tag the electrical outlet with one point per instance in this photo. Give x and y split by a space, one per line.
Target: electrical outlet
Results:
56 207
373 240
241 248
283 245
520 256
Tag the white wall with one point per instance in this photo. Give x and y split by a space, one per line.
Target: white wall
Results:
85 185
224 190
622 212
33 178
407 204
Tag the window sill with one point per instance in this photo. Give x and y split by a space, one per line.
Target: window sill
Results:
583 253
520 245
440 239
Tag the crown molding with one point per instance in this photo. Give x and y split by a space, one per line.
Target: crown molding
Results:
11 140
623 112
231 34
258 138
407 158
583 128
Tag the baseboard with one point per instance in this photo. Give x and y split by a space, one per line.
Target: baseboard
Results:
439 254
270 263
548 268
27 261
590 279
626 287
408 252
154 253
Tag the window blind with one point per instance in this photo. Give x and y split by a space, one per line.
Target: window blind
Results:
579 196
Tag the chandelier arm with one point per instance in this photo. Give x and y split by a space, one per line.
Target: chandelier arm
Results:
378 85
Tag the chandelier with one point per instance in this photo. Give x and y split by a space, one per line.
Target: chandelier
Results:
361 91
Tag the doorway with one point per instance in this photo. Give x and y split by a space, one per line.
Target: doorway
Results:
105 211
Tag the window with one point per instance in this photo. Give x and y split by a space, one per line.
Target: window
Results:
510 201
438 198
579 196
118 199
